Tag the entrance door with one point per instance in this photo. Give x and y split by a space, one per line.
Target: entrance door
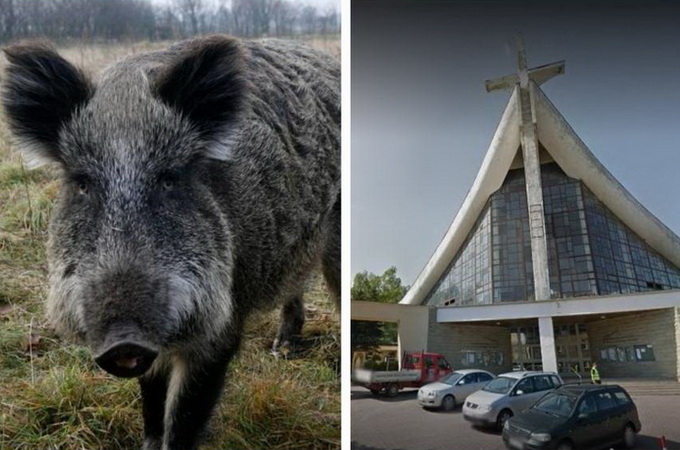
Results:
573 349
571 346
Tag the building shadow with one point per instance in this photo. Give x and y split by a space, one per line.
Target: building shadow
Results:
357 446
491 431
457 410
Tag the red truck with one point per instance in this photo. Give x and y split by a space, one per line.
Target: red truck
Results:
417 369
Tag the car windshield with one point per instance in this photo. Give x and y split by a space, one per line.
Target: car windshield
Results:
556 404
500 385
452 378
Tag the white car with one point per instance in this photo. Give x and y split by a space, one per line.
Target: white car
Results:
507 395
453 389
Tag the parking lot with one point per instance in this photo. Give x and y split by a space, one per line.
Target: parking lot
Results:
401 424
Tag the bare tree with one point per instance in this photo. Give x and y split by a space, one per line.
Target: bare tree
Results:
191 10
283 16
7 19
308 20
115 20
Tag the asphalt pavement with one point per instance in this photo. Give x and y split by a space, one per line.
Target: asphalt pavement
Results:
401 424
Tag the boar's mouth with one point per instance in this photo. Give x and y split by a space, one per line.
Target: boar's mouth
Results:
127 359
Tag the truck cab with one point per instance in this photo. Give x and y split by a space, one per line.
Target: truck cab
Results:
433 366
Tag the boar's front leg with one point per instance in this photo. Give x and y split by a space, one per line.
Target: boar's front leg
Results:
194 387
292 320
154 388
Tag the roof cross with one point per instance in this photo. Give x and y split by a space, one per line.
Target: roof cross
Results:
538 75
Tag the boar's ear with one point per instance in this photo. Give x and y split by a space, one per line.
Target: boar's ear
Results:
207 85
40 93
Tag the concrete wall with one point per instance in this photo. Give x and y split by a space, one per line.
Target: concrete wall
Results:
658 328
677 338
453 340
412 320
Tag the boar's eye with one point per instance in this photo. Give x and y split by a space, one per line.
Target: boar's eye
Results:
82 188
81 185
168 181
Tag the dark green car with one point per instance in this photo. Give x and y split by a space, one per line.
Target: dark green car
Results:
575 417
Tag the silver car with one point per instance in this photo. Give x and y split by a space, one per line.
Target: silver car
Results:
453 389
507 395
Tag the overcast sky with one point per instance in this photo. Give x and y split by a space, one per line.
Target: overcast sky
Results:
422 121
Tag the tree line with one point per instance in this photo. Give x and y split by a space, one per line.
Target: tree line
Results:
121 20
369 287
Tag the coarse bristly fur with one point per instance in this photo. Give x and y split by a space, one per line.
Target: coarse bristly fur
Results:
200 184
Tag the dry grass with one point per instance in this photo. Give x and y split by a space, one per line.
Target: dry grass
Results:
52 396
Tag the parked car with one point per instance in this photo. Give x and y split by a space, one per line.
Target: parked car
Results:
453 389
575 417
507 395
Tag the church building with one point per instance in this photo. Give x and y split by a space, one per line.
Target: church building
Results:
550 264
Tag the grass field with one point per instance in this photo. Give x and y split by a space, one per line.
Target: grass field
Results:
52 396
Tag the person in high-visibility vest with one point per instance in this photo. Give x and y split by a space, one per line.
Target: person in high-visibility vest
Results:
595 375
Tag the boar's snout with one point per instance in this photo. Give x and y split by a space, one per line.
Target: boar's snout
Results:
126 355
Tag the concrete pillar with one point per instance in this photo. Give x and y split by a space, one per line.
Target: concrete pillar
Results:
412 335
532 174
547 334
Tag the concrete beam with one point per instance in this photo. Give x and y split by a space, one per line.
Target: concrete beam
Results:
386 312
413 321
640 301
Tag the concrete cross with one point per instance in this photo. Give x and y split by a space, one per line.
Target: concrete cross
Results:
532 175
538 75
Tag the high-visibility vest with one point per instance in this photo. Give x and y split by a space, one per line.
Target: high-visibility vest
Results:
594 374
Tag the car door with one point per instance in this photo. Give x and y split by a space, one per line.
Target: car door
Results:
443 367
556 381
621 415
466 386
587 424
430 369
542 384
607 408
523 395
483 379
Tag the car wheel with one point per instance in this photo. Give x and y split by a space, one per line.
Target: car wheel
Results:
565 445
375 392
448 403
392 390
502 418
629 436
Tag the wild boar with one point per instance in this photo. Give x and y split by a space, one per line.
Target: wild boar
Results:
199 184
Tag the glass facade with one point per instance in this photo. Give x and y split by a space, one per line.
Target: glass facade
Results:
467 280
622 261
498 244
590 251
513 276
569 256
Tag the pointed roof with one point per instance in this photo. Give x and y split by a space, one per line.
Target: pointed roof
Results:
575 159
